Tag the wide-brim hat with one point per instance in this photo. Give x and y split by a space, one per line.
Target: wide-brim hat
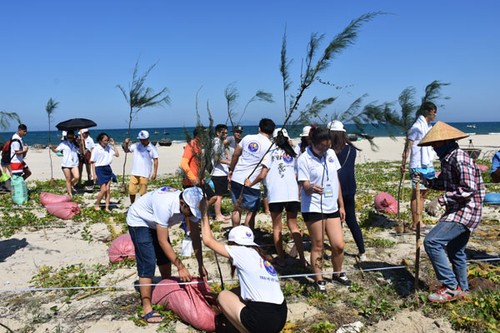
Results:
192 197
441 132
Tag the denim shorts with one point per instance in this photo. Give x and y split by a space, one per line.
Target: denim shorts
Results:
427 172
148 252
251 196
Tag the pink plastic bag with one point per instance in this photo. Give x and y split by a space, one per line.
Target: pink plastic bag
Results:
47 198
385 203
188 301
63 210
121 248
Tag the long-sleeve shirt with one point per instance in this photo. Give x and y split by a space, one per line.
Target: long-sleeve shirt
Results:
461 180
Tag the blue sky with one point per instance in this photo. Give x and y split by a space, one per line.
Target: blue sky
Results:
78 51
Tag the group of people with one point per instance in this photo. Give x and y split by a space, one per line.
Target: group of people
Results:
316 178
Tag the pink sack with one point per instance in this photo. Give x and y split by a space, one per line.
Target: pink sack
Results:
188 301
47 198
385 203
483 168
121 248
63 210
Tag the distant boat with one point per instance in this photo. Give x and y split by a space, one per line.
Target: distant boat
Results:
165 142
165 133
471 125
156 132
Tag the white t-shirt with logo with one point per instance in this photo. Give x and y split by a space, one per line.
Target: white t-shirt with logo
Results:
102 156
70 154
258 279
254 147
16 146
281 179
322 172
161 206
143 159
220 153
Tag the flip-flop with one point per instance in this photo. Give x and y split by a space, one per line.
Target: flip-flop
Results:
150 315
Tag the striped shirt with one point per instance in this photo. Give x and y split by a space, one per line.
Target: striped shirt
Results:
461 180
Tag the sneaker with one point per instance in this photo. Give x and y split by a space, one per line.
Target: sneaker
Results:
320 286
445 294
362 256
341 279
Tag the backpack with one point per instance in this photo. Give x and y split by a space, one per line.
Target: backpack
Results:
7 151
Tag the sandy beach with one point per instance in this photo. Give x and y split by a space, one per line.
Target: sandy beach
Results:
29 249
170 157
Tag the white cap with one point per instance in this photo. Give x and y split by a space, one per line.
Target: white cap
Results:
305 131
143 135
285 133
192 197
241 235
84 130
336 125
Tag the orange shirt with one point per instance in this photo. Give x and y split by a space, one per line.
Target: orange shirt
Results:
190 163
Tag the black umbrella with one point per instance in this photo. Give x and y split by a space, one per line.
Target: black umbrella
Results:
75 123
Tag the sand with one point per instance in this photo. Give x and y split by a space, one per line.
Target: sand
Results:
24 253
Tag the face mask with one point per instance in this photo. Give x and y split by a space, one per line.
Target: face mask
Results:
444 149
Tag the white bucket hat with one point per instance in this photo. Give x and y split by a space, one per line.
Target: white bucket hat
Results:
192 197
242 235
336 125
285 133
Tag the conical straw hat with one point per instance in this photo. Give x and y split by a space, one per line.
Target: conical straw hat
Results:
440 132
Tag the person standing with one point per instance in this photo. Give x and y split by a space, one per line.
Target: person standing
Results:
322 205
220 162
460 180
233 140
148 221
279 170
144 166
246 163
420 157
346 153
102 174
86 145
260 305
18 152
70 161
191 162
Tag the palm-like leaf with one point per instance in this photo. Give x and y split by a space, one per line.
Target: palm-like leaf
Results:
50 108
231 94
6 117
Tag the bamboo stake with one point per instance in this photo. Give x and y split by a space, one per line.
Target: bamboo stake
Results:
417 236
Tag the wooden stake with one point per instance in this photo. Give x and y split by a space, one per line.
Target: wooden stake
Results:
417 235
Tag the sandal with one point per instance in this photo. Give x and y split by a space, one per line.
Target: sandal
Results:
150 316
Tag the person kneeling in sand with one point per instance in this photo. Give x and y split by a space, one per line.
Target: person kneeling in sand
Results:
148 220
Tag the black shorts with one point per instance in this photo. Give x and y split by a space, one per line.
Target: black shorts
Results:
289 206
313 217
209 192
264 317
221 185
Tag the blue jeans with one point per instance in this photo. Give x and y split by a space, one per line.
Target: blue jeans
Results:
446 243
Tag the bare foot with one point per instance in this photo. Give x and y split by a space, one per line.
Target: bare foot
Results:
97 207
107 210
223 218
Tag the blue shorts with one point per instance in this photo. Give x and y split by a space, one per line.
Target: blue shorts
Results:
251 196
148 252
427 172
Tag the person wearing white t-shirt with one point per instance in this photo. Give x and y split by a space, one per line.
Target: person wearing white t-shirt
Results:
420 158
279 170
148 221
220 162
70 160
261 306
246 163
102 174
145 165
18 152
86 145
322 205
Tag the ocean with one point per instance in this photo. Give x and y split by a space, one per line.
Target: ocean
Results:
178 134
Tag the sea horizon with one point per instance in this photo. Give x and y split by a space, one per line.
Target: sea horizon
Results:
179 134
